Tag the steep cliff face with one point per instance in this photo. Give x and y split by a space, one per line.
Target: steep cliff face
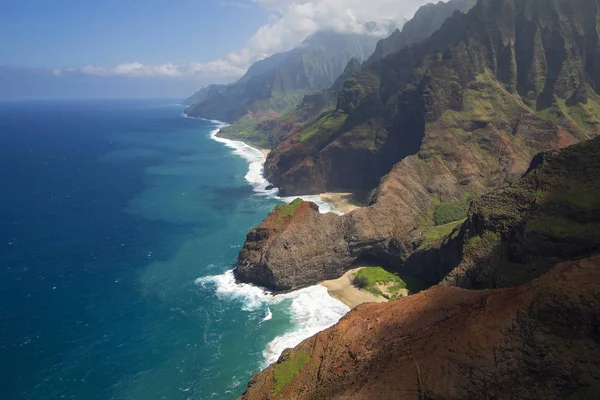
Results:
447 124
503 64
288 232
279 82
536 341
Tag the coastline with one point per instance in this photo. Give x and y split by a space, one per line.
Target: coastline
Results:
312 309
257 157
344 291
338 203
343 202
265 152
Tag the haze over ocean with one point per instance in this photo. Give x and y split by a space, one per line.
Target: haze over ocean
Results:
119 222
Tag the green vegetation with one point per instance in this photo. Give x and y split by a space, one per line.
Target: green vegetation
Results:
351 94
564 228
284 373
482 246
370 279
581 198
287 210
249 130
323 127
356 89
447 212
438 232
257 130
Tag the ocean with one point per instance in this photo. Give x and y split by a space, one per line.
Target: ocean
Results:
120 223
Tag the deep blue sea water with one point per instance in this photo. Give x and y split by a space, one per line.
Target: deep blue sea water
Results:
119 224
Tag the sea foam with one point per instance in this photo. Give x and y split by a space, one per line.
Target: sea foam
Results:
255 176
312 309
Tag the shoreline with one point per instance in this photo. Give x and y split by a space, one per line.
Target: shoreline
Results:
257 157
338 203
265 152
343 202
314 308
344 291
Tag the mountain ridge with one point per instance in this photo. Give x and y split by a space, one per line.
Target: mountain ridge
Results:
270 84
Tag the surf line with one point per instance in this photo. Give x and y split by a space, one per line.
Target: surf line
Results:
255 177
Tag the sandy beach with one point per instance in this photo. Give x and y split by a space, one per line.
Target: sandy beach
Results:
343 290
344 202
265 152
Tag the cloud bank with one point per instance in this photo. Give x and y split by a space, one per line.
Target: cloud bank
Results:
290 22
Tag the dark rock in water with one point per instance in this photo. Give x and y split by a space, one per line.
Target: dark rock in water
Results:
270 187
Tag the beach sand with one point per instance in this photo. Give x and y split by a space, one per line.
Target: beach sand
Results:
344 202
343 290
265 152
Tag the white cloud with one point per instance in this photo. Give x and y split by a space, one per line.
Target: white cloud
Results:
290 22
218 69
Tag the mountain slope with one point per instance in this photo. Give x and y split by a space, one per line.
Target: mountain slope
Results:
535 341
536 338
452 80
268 131
204 94
451 118
278 83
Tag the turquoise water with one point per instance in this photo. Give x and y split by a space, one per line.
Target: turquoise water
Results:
119 224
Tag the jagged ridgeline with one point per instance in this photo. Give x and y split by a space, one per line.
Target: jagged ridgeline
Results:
432 127
486 79
428 19
278 83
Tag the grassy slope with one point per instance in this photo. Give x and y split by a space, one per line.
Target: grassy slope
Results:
250 129
285 372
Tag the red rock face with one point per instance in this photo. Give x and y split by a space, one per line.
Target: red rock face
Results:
540 340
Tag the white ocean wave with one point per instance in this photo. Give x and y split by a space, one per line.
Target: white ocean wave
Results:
312 309
269 315
256 161
255 176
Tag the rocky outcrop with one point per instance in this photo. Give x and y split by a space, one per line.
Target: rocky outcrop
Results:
288 234
536 341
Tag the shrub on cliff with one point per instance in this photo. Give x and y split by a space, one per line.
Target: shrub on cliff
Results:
449 212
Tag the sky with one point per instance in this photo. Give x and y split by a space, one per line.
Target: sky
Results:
162 48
